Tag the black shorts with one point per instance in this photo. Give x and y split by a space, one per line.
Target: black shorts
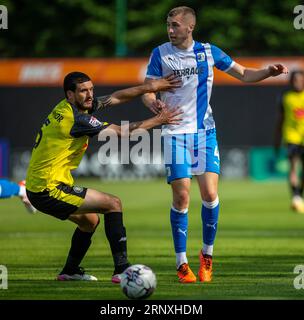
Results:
59 202
295 150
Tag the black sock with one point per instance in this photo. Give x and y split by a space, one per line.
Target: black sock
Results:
116 235
295 190
81 242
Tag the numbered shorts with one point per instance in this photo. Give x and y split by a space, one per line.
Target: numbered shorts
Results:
59 202
191 154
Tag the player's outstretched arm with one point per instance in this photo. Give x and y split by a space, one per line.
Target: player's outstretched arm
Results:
164 84
150 100
164 117
254 75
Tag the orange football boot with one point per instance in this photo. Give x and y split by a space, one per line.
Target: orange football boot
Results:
205 269
185 274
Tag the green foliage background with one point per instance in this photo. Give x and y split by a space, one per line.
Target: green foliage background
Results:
87 28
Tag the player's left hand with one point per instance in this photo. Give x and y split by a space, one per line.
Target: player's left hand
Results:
167 83
173 116
277 69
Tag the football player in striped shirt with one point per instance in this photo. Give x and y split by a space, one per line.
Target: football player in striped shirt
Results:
190 147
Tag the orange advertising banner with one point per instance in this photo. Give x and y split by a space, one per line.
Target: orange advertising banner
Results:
129 71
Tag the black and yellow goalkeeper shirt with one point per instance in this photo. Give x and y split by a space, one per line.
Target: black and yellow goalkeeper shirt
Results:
59 146
292 104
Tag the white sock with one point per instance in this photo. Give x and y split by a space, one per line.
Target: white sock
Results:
182 211
208 249
22 191
181 258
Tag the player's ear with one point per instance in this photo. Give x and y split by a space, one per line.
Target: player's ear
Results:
191 27
70 94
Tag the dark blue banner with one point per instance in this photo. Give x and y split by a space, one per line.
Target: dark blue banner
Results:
4 154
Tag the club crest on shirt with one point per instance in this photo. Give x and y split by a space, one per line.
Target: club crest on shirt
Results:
200 56
78 189
94 122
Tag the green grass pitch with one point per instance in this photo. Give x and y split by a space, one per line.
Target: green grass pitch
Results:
259 242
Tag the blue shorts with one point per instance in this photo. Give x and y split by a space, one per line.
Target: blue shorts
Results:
191 154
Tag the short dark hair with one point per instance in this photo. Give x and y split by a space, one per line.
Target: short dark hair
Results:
72 78
293 74
181 10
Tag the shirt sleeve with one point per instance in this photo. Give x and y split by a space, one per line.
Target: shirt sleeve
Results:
86 125
221 60
154 70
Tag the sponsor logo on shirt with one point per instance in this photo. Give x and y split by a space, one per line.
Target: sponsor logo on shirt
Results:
57 116
188 72
94 122
171 59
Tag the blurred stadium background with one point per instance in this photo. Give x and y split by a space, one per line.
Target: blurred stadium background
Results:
111 41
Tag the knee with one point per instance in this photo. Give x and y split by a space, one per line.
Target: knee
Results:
181 200
210 195
90 225
116 205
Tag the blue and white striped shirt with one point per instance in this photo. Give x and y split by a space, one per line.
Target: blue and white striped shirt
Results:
195 66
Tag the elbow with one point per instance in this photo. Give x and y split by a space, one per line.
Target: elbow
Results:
246 79
145 97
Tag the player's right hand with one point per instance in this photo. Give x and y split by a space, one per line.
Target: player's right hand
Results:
277 69
172 116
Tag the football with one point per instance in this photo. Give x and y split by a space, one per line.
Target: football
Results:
138 281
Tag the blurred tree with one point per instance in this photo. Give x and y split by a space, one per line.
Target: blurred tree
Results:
59 28
86 28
